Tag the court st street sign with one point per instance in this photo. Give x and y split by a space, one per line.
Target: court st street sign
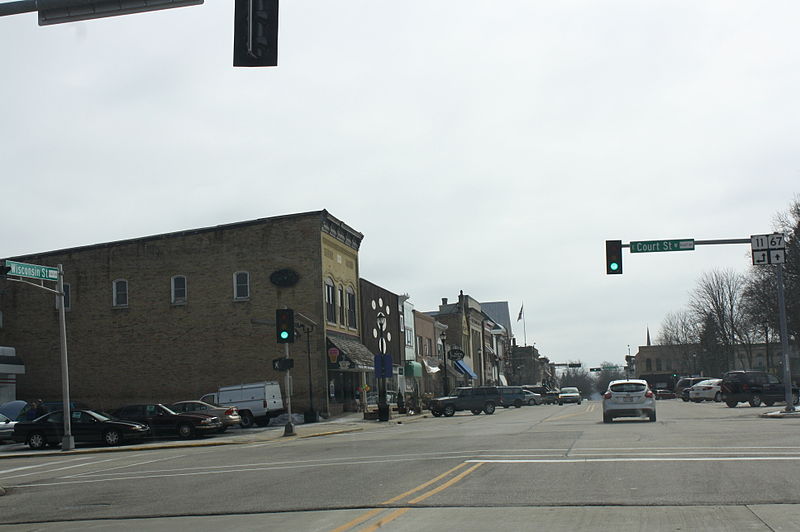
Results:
32 271
651 246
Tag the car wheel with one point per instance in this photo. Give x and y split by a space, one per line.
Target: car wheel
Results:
717 397
112 437
560 403
531 402
436 413
796 398
607 418
506 406
185 431
476 411
247 420
518 403
653 416
488 408
579 402
685 399
731 404
449 411
755 400
36 440
769 403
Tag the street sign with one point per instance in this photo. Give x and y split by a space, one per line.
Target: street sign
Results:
595 369
32 271
768 249
455 354
652 246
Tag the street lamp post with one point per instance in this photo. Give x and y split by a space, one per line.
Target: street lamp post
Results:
445 390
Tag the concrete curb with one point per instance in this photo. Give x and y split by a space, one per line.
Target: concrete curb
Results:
780 414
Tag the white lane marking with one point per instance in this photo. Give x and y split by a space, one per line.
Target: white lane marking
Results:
48 471
134 464
641 459
42 465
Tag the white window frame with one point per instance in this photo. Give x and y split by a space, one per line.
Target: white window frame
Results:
236 296
115 295
173 298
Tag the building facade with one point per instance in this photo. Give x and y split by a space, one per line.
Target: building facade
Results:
175 316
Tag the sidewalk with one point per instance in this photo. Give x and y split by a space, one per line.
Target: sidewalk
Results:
349 422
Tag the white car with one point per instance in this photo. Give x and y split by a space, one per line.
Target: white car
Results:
6 427
707 390
628 398
569 394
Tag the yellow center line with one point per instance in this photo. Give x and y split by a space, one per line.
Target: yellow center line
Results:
445 485
358 520
388 519
565 416
425 485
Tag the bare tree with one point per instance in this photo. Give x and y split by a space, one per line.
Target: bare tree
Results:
680 331
609 373
718 296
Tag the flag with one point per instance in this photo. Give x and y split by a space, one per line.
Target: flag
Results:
520 312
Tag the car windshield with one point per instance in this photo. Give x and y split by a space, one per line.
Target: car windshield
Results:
569 390
98 416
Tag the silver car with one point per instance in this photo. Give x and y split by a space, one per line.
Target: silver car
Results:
6 428
628 398
228 415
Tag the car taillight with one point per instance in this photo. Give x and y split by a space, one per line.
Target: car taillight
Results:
607 395
230 411
649 394
265 403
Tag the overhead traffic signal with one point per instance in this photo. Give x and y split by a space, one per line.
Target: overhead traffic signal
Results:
255 33
284 325
613 257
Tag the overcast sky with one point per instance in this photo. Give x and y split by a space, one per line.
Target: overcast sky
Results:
484 146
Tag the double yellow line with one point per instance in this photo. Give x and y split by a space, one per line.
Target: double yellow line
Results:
395 500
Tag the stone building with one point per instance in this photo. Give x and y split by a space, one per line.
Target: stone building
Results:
174 316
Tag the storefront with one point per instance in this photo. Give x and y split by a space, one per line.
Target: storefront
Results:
349 371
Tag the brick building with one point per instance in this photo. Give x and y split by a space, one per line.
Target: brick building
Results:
174 316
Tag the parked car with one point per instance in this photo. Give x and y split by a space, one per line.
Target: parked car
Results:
87 426
532 398
257 401
547 396
476 400
707 390
683 385
628 398
754 387
6 428
511 396
569 394
228 415
164 422
14 410
665 394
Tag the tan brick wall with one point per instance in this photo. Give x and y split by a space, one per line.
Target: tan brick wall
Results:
154 350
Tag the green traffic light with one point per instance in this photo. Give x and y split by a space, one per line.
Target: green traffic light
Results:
284 334
614 266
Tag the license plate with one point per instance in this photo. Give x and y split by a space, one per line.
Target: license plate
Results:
627 399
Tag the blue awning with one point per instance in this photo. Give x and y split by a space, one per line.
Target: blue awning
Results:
464 368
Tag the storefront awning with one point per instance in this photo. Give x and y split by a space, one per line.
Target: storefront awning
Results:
413 369
464 368
347 353
431 366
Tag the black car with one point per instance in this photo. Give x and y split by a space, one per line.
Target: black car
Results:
87 426
165 422
476 400
753 387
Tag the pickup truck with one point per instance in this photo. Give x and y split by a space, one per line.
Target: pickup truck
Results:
257 402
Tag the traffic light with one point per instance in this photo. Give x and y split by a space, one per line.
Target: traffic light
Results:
255 33
284 325
4 270
613 256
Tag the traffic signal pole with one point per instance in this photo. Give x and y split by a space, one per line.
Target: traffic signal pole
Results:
289 429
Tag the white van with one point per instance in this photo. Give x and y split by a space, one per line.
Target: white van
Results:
257 401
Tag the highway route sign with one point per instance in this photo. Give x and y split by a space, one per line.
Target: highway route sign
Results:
768 249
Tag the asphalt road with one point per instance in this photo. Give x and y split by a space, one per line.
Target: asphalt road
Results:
700 466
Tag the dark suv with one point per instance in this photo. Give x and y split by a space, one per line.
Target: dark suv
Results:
476 400
753 387
511 396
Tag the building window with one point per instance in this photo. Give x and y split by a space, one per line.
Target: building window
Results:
648 364
351 308
658 364
341 306
120 293
330 301
409 338
241 285
178 290
427 348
